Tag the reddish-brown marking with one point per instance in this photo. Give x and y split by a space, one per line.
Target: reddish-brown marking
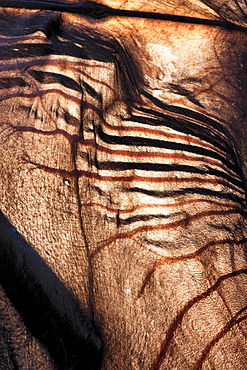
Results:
180 315
56 132
180 223
171 260
162 133
193 120
155 206
154 155
125 153
134 178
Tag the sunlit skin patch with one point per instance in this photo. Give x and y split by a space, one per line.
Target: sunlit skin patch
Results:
177 259
178 319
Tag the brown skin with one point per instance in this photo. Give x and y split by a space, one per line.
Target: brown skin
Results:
182 308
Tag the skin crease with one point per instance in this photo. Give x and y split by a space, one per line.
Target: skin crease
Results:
138 298
207 47
208 71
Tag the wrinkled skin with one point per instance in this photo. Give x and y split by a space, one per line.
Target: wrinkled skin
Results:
176 303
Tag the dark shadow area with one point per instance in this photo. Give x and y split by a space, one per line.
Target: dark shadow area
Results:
98 11
49 311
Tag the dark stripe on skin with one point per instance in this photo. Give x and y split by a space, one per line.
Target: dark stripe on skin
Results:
9 82
56 62
149 217
91 143
98 11
188 113
75 66
93 45
48 309
181 125
201 191
91 91
130 178
58 48
184 125
121 166
131 154
51 78
139 141
26 50
169 226
159 132
208 135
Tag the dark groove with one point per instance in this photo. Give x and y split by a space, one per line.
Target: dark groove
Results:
91 295
91 91
182 111
71 120
139 141
10 82
51 78
179 90
184 222
98 11
133 219
181 125
129 178
121 166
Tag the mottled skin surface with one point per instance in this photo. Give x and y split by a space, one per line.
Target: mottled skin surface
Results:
179 303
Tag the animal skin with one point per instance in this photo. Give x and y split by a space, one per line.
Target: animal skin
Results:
123 185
